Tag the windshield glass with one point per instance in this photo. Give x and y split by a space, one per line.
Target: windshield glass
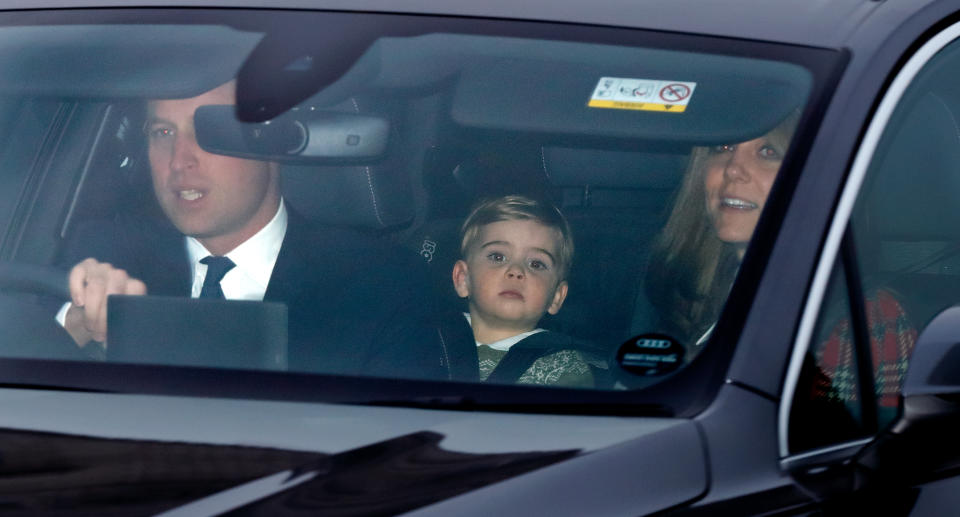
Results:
381 196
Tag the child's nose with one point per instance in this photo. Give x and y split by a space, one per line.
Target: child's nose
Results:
515 271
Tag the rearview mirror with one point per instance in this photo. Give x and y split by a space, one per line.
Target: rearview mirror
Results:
298 136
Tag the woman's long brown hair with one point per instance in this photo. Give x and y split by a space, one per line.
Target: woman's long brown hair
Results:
690 269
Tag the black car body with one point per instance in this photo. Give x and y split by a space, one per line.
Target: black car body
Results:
473 99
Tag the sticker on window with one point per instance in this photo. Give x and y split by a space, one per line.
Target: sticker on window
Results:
650 354
642 94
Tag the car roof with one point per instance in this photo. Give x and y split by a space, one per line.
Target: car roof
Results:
824 23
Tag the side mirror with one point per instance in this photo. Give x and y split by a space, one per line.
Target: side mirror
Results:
931 389
923 440
298 136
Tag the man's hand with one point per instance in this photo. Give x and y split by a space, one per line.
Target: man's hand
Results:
90 284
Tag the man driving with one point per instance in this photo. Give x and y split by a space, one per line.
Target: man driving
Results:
228 234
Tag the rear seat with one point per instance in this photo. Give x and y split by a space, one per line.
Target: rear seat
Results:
616 203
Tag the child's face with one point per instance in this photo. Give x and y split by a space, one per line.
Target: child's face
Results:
512 276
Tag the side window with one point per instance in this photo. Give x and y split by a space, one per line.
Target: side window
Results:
824 410
899 265
852 374
23 124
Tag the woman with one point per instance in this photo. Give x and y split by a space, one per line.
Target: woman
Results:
697 255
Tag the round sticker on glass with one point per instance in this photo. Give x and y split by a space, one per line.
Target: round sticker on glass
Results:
650 354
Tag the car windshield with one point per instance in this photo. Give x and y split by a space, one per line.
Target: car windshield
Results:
306 194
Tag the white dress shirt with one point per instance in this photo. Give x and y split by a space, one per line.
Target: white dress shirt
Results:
254 260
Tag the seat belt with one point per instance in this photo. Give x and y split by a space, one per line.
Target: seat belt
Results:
521 357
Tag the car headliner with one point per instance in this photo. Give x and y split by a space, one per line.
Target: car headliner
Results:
825 23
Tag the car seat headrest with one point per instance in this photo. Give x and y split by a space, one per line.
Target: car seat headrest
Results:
612 169
367 196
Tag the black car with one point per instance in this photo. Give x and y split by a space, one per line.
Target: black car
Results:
529 258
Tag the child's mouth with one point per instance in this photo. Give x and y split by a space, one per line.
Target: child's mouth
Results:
511 294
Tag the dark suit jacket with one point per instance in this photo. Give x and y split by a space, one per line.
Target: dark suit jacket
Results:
355 305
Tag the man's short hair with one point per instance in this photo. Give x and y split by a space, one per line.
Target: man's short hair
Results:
519 208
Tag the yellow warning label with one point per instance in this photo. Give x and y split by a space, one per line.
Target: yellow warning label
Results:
645 106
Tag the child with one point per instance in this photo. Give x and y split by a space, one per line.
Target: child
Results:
516 253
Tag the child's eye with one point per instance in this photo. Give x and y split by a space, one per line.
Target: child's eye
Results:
723 148
539 265
496 257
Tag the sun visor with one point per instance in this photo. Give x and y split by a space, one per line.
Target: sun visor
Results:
663 96
115 61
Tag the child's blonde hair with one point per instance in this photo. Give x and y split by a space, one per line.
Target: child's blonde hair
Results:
519 208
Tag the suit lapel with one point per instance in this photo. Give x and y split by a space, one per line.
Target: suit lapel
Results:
164 262
292 269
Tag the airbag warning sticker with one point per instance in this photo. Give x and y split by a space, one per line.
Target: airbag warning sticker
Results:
642 94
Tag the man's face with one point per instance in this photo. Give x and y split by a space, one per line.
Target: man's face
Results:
220 200
511 276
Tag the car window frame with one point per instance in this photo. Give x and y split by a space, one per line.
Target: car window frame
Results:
694 396
831 251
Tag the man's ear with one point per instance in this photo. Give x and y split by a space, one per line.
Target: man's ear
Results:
461 280
559 295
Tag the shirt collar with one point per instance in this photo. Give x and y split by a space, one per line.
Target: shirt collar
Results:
505 343
256 256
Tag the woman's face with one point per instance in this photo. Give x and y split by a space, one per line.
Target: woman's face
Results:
737 182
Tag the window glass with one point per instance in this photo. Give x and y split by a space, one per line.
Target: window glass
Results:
904 218
904 237
849 388
902 223
388 196
827 406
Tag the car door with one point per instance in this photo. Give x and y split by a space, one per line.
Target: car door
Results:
888 267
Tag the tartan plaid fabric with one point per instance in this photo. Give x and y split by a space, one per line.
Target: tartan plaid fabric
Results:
892 337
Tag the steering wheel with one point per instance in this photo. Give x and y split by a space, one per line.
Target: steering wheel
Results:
28 328
32 278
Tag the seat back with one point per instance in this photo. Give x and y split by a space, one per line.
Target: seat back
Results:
370 196
616 202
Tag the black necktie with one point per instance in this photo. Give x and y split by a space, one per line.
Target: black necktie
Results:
216 268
